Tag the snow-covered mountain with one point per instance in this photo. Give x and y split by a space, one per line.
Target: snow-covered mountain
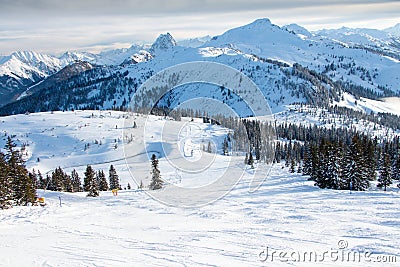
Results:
289 64
298 30
194 42
22 69
395 30
164 43
370 38
27 64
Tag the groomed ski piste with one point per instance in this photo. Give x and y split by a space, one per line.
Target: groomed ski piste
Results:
287 221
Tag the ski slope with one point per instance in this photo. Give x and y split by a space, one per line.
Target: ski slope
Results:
286 214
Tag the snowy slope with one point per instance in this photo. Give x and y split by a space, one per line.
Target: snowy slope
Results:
194 42
395 30
286 214
28 65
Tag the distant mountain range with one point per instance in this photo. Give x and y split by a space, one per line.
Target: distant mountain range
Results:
290 64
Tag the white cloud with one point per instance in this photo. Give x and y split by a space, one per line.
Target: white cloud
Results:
56 26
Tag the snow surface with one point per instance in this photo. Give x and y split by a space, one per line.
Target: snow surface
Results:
286 214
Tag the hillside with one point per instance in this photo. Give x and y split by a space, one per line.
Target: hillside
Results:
289 64
286 214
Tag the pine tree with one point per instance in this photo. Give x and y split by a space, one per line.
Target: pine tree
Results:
103 185
307 162
114 179
42 183
76 181
278 152
89 175
156 182
90 183
6 186
225 147
385 177
68 183
34 178
331 166
209 150
292 165
50 184
141 185
354 176
58 178
251 160
23 186
396 169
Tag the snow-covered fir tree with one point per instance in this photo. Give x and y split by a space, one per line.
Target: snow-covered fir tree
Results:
385 174
24 187
225 147
90 183
250 160
103 185
113 178
156 182
6 192
354 175
76 181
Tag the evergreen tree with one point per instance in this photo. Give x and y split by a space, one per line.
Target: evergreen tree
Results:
292 165
331 167
156 182
396 169
23 186
103 185
114 179
6 186
385 177
141 185
307 162
209 150
68 183
76 181
50 183
251 160
89 175
58 177
42 183
225 147
354 176
33 178
90 183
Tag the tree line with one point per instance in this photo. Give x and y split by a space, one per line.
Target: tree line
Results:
334 158
18 186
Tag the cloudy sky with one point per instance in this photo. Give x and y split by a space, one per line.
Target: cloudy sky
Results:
53 26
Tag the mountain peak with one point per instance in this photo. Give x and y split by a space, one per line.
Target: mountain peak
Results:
163 43
395 30
297 30
262 21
